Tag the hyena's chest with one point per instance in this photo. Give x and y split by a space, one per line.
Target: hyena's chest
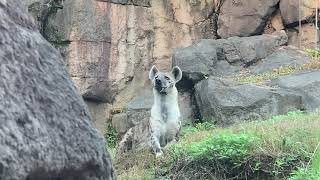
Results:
166 121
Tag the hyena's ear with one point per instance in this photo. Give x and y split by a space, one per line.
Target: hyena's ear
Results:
177 73
153 72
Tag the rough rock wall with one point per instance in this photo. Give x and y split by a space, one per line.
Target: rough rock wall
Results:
46 130
109 45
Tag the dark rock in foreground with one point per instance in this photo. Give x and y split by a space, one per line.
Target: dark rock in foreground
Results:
46 131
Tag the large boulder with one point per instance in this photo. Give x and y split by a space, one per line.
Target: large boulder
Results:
226 102
225 56
290 10
244 17
305 83
46 130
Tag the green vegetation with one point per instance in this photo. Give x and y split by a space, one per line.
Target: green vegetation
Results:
312 52
310 172
111 136
281 147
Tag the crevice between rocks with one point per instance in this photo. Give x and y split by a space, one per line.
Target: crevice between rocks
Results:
127 2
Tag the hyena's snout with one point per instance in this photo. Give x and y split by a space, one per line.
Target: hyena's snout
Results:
158 83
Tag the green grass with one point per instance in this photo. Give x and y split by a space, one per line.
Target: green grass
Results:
281 147
111 136
311 171
312 52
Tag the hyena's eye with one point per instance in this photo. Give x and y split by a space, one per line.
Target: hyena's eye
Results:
167 78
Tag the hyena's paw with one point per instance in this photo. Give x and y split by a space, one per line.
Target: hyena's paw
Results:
159 154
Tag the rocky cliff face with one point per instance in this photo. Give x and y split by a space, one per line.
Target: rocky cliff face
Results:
46 131
109 45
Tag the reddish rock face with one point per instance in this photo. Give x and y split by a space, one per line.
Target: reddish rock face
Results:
109 45
290 13
244 17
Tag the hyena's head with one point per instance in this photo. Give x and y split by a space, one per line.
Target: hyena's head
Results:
164 82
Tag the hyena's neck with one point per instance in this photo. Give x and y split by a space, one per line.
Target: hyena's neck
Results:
165 106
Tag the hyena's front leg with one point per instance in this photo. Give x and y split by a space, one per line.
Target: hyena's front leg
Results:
178 131
155 143
155 135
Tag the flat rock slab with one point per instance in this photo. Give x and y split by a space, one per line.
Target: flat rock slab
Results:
226 102
46 130
305 83
284 56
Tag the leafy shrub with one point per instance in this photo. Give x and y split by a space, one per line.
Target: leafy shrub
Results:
112 136
222 146
205 126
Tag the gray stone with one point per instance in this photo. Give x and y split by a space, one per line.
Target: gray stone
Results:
284 56
244 17
100 113
254 48
198 60
144 101
226 102
46 131
305 83
121 123
225 56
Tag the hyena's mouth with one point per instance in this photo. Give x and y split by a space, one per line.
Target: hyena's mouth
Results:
161 90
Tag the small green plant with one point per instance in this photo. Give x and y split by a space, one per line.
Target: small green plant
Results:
313 52
310 173
222 146
112 136
205 126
